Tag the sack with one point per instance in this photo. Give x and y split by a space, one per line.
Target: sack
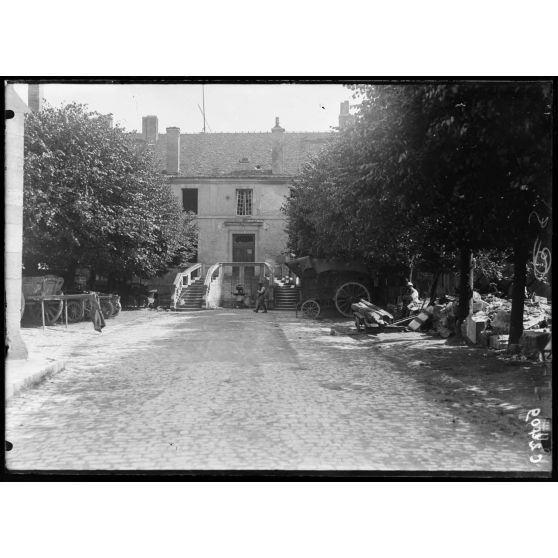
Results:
96 314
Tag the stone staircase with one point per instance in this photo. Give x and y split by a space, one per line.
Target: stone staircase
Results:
191 297
285 297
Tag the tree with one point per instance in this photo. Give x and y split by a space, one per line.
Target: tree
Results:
432 172
487 150
353 199
477 157
93 198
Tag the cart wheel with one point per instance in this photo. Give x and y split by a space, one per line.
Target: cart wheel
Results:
310 309
53 310
106 308
76 311
350 293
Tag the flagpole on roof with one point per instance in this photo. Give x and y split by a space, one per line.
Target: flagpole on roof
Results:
203 103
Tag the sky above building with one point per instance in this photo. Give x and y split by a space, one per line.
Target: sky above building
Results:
228 107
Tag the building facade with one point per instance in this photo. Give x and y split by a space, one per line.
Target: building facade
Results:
236 184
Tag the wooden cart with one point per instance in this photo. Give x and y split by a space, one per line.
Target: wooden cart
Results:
326 283
44 302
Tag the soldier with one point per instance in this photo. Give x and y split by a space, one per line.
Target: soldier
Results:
261 298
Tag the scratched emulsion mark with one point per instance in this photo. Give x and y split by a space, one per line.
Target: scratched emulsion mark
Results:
542 257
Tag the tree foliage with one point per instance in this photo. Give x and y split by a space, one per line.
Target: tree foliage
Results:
429 171
92 197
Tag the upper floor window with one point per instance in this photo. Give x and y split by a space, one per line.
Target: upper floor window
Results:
244 202
190 199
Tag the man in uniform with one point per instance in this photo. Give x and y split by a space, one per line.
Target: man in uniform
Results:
261 298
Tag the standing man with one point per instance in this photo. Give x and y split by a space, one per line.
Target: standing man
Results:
261 298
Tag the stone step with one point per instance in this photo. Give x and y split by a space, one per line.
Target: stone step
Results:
286 292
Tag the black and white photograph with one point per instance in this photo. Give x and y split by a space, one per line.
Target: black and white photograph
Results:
278 279
279 276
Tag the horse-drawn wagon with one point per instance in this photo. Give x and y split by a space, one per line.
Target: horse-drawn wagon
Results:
325 283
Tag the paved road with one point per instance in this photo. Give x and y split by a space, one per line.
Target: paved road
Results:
234 390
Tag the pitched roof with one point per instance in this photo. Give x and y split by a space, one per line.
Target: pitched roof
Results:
215 154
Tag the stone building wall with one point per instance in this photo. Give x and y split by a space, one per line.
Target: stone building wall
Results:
217 219
15 122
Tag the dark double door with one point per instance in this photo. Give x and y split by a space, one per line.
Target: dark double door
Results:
244 251
243 247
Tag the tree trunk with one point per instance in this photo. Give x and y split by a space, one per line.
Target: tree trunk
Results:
112 282
69 278
465 288
91 280
520 256
434 286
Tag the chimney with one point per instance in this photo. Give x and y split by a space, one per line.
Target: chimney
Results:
35 96
277 141
173 150
345 118
150 129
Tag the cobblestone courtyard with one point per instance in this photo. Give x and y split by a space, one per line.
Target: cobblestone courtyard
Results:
234 390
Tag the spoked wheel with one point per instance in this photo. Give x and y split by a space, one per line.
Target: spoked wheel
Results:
53 311
107 308
310 309
76 310
348 294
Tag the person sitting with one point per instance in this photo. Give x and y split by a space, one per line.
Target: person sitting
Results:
239 293
411 300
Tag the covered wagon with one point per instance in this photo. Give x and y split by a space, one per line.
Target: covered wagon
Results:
334 282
